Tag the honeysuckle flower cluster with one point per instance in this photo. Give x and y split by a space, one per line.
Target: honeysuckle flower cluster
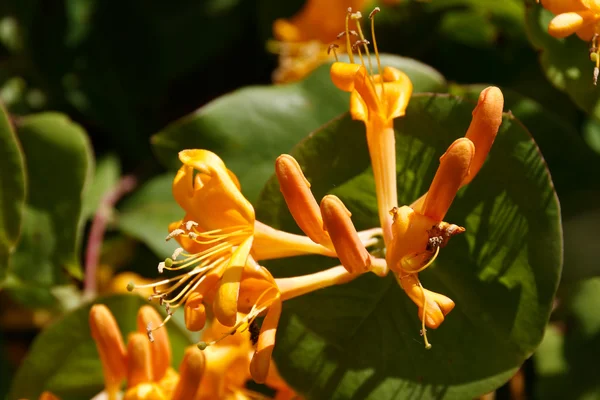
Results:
219 275
580 17
220 372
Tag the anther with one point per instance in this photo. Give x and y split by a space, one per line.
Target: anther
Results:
360 42
375 11
161 267
190 224
193 235
350 32
356 15
596 73
175 232
177 253
149 332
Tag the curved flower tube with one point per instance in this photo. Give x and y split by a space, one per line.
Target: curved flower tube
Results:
376 99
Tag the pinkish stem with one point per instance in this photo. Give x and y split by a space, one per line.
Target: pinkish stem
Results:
94 245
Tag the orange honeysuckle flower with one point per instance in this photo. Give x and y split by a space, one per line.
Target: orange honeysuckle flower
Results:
419 231
221 244
217 235
376 100
580 17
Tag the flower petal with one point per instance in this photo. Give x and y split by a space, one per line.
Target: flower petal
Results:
213 190
194 312
225 304
566 24
397 91
259 366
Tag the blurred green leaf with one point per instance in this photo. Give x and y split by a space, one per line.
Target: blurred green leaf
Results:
250 127
63 358
361 340
12 194
566 361
106 177
59 166
565 62
147 213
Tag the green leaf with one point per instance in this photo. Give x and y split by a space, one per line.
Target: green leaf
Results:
59 166
63 358
12 195
106 177
565 62
566 360
361 340
250 127
146 215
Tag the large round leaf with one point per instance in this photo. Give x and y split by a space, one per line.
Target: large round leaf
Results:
361 340
565 62
64 360
250 127
12 195
570 162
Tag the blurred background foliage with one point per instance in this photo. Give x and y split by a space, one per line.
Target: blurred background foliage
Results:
98 90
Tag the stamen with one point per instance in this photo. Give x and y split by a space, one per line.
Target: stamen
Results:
423 329
174 233
348 46
356 46
190 224
177 253
149 332
357 16
332 47
379 69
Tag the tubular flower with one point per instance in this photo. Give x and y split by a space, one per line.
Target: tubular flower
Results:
419 231
217 235
580 17
376 100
